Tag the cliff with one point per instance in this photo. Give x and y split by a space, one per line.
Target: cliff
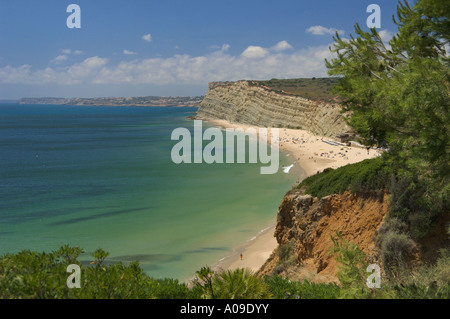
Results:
240 102
305 225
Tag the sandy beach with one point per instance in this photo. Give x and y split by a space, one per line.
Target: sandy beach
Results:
254 252
313 154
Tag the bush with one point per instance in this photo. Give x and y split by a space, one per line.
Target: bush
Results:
31 275
419 199
239 284
397 250
366 176
429 282
286 257
283 288
169 288
28 275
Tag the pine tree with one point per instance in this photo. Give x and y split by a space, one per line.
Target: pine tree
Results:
398 93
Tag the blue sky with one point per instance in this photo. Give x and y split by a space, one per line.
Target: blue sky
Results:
128 48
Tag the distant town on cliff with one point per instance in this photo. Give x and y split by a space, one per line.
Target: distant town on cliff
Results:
119 101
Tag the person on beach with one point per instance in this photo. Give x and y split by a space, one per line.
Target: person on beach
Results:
241 256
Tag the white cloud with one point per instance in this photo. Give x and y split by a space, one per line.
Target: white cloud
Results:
81 72
253 52
320 30
16 75
70 51
59 59
94 62
254 63
126 52
225 47
282 46
385 35
147 37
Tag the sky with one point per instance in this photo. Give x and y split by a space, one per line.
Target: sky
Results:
170 47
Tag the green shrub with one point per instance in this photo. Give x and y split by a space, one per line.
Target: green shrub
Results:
366 176
31 275
286 257
28 275
171 289
283 288
429 282
239 284
397 250
309 290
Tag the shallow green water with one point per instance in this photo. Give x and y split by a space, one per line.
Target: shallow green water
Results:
102 177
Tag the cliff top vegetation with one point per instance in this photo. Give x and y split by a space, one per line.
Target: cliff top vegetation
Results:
311 88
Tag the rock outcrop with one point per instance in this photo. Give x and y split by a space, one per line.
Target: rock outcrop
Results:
308 223
240 102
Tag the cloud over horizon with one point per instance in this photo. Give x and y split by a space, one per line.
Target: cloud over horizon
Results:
255 62
282 46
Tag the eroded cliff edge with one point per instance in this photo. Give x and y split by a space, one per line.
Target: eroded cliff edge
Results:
240 102
305 225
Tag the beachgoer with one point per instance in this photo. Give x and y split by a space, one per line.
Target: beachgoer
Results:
241 256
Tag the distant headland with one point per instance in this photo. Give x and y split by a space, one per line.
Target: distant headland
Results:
178 101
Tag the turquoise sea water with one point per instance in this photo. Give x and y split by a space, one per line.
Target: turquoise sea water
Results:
102 177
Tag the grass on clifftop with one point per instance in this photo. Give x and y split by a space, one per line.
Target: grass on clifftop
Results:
313 88
365 176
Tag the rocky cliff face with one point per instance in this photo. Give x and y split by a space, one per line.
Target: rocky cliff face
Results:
306 224
240 102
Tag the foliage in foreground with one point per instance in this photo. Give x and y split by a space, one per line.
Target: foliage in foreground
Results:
284 288
31 275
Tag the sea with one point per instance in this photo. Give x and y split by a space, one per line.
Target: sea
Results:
102 177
